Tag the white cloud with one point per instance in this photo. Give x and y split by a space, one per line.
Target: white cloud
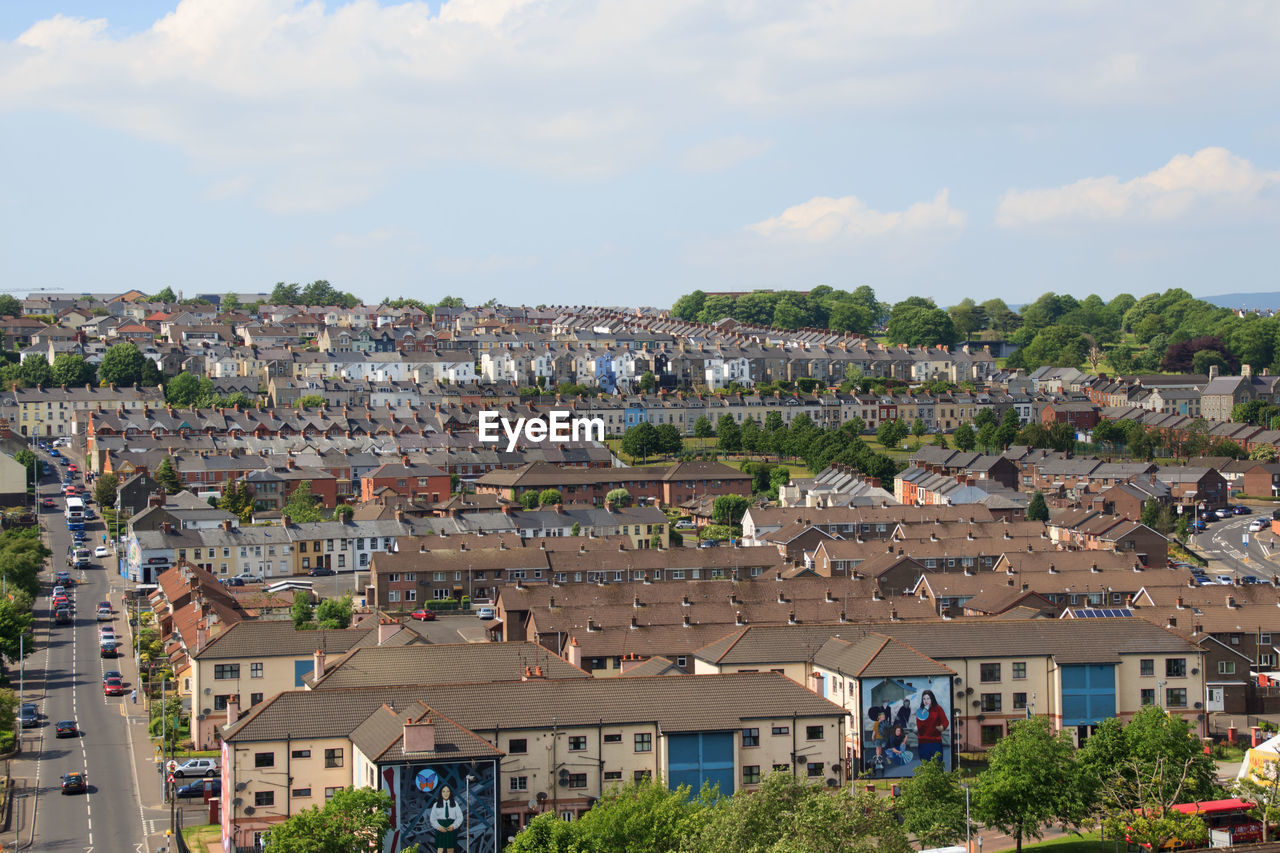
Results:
724 153
823 219
1212 179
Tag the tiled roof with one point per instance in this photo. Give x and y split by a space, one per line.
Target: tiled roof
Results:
875 656
383 666
278 638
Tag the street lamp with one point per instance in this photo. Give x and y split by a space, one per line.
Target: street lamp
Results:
467 808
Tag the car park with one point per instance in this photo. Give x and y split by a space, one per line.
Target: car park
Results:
66 728
113 687
423 615
486 612
75 782
196 789
197 767
29 715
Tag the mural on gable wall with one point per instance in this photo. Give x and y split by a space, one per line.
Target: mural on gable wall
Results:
434 807
905 721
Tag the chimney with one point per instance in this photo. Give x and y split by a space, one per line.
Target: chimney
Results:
738 619
317 665
386 628
688 623
233 708
419 737
1180 604
635 622
226 525
166 526
202 638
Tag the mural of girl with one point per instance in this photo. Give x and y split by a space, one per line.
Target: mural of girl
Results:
446 817
931 722
896 749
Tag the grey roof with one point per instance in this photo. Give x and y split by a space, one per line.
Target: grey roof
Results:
255 638
381 736
875 656
382 666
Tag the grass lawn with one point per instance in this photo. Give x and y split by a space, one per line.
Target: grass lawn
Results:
1090 842
203 839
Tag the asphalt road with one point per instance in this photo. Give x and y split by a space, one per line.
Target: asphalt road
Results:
66 683
1223 545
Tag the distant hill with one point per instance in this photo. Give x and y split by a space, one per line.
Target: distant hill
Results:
1244 300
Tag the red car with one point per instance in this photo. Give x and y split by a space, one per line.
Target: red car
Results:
48 503
424 615
72 468
113 687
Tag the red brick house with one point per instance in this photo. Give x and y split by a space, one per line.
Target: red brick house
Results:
407 479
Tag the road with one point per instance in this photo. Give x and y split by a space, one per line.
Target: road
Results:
64 679
1223 545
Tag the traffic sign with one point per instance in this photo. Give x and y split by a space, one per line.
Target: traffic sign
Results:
170 780
1244 538
171 766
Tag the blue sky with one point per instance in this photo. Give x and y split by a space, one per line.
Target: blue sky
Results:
609 152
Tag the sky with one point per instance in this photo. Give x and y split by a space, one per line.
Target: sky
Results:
624 152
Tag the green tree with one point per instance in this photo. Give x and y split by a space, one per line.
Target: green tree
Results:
302 609
230 303
648 381
124 364
10 306
964 438
1226 447
932 805
918 428
1150 513
1008 429
29 461
237 499
168 477
72 370
669 440
576 530
640 440
644 817
550 497
165 295
688 307
968 317
284 294
617 498
1029 781
940 440
185 389
702 427
729 509
104 490
35 370
352 819
1037 510
728 434
334 613
918 322
303 506
529 499
17 616
343 512
891 433
311 401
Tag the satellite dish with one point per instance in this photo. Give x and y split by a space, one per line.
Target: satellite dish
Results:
249 810
533 804
240 786
236 801
542 795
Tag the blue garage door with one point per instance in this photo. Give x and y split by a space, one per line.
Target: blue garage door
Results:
703 757
1088 693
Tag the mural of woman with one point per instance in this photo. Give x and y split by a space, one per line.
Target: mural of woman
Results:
896 749
446 817
931 722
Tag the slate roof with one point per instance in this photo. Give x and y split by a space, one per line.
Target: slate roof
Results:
278 638
381 736
875 656
382 666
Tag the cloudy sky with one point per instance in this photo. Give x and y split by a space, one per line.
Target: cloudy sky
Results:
627 151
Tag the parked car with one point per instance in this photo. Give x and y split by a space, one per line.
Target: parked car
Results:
75 782
486 612
1224 580
66 728
248 577
683 524
197 767
1251 579
321 573
237 581
196 789
29 715
1257 525
424 615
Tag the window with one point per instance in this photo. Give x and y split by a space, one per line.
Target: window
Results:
682 661
220 700
782 768
644 742
642 775
1175 697
301 792
329 792
751 774
814 732
264 759
577 743
333 757
393 595
989 672
1264 639
1019 701
814 769
254 699
1148 696
750 737
518 746
519 783
1226 667
782 730
300 753
613 775
991 702
613 738
991 734
1019 669
224 671
1147 666
1175 667
255 670
577 780
264 798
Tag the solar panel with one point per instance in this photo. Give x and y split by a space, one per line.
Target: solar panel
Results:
1102 613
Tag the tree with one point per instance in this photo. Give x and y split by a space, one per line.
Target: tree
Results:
229 303
311 401
918 428
1263 454
1226 447
647 381
728 434
10 306
529 499
302 609
1029 781
343 512
352 819
237 499
550 497
1262 788
640 440
940 439
918 322
168 477
1037 510
124 364
1008 429
617 499
303 506
104 490
576 530
1150 513
729 509
688 307
669 440
932 805
166 295
284 294
17 616
963 438
35 370
702 427
891 433
72 370
334 613
644 816
185 389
